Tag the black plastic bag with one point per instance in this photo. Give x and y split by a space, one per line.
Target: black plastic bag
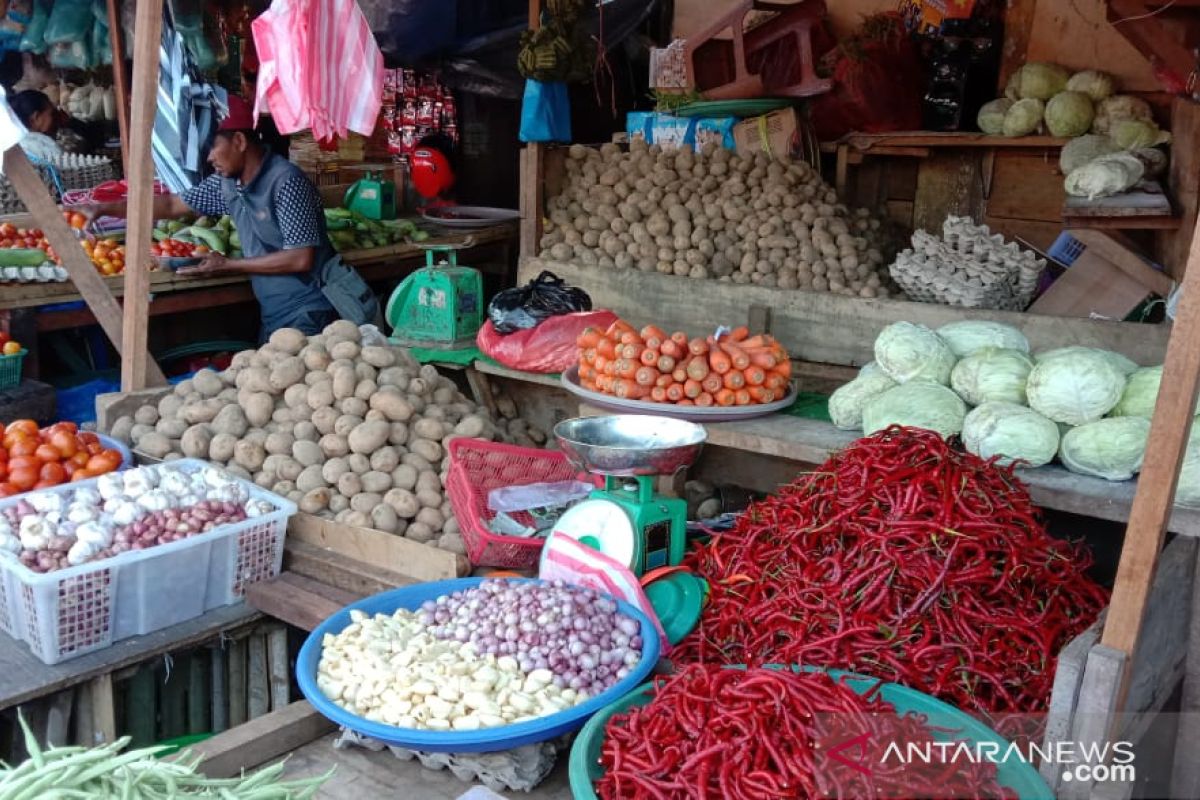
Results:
524 307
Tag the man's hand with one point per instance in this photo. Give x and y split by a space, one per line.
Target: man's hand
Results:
212 264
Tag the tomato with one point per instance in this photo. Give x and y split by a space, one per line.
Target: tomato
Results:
23 478
69 468
48 452
27 425
24 462
8 230
8 490
105 461
82 475
25 446
87 437
11 348
93 448
45 484
53 472
64 442
80 459
3 470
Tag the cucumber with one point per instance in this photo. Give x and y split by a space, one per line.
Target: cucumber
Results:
22 257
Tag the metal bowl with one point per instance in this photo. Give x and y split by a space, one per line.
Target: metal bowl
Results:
630 444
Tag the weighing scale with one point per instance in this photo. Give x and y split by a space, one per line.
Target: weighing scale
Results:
440 305
628 520
372 196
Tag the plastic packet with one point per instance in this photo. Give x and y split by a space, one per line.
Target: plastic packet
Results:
524 307
537 495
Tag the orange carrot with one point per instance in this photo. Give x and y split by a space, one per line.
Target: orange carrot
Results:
704 399
631 337
672 348
725 397
784 368
617 328
645 376
687 401
691 388
755 376
653 332
587 355
736 354
734 379
697 347
589 338
742 397
665 380
589 385
649 357
675 392
631 351
679 374
753 343
775 381
658 394
666 364
713 383
606 347
628 368
610 369
739 333
719 361
763 358
679 338
697 368
761 394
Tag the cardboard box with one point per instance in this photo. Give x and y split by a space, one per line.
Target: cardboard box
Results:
671 131
777 133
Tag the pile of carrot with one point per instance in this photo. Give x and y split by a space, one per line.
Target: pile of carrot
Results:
734 369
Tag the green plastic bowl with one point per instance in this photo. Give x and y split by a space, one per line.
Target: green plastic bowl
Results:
1021 777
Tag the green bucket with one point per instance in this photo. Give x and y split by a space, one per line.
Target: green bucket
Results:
1020 776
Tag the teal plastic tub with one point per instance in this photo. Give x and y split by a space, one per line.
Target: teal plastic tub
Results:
10 369
1016 774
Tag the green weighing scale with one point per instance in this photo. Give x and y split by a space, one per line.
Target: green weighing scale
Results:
628 520
440 305
373 196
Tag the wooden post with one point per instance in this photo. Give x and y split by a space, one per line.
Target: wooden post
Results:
258 692
120 80
104 715
277 660
1155 496
83 273
199 699
140 172
237 682
220 697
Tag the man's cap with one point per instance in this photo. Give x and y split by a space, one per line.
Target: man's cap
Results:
240 116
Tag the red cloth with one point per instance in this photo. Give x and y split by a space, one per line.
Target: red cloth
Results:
548 348
240 116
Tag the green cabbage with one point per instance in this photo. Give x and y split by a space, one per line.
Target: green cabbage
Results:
1130 134
991 116
917 405
1104 177
1095 84
1187 491
992 375
969 335
1109 448
1084 149
1078 389
869 368
1141 391
1012 432
1069 114
907 352
1040 81
1116 108
1126 365
846 404
1024 117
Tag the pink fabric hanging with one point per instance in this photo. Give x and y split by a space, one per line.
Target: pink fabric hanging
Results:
319 68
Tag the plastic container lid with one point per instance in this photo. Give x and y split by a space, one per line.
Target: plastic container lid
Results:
677 599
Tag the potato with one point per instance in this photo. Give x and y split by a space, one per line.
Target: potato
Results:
357 519
349 484
427 428
237 470
393 406
358 463
279 442
309 479
333 469
169 405
288 340
334 445
380 357
195 441
315 500
404 502
300 413
296 395
451 526
364 371
365 388
325 418
365 502
417 403
307 453
122 428
397 433
254 379
207 382
428 480
405 477
186 387
171 428
249 454
452 543
265 480
287 372
289 468
317 376
203 411
394 376
154 444
444 395
315 357
376 481
321 395
338 503
420 463
431 517
257 408
344 382
346 350
429 499
368 437
220 448
419 532
346 423
306 430
419 387
384 518
385 459
353 406
430 451
375 416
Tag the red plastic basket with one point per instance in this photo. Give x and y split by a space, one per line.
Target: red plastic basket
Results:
477 467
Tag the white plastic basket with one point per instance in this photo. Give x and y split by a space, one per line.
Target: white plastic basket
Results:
69 612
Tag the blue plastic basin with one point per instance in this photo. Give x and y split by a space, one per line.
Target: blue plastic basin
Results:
479 741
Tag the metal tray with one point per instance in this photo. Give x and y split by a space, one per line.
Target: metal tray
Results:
570 381
470 217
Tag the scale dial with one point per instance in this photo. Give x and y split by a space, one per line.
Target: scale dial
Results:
603 526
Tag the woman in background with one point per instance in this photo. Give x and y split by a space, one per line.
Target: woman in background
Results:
48 135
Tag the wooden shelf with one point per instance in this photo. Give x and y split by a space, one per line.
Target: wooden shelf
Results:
866 142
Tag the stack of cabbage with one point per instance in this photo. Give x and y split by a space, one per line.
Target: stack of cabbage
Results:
1117 135
1091 408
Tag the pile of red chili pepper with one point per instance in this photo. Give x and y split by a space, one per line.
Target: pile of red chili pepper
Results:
712 732
906 560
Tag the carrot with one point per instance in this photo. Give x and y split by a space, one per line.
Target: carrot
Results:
763 358
675 392
753 343
736 354
719 361
632 390
631 337
697 347
630 351
734 379
742 397
666 364
679 338
775 381
598 362
653 332
784 368
628 369
589 338
739 333
618 327
587 355
755 376
606 347
761 394
658 394
604 383
687 401
589 385
610 369
725 397
586 372
713 383
704 399
697 368
691 388
672 348
645 376
665 380
649 357
679 374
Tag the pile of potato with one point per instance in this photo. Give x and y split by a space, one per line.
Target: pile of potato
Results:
714 214
350 432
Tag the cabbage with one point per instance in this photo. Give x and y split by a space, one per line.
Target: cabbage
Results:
1141 391
1040 81
992 375
1187 491
1116 108
846 404
1130 134
1012 432
1106 176
917 405
869 368
1095 84
907 352
1109 448
969 335
1153 159
1082 149
1077 389
1126 365
991 116
1024 117
1069 114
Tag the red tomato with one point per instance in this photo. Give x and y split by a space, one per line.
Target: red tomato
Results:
105 461
8 490
53 473
23 478
48 452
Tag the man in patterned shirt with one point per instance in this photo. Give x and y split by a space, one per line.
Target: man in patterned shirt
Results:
297 276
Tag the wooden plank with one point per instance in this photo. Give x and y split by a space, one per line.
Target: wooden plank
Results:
237 680
543 379
220 695
297 600
947 183
116 38
950 139
532 201
260 740
1018 25
1182 183
104 713
1145 200
1093 288
1098 699
58 718
1136 22
386 550
1075 35
277 666
139 172
258 679
340 571
1169 429
847 326
1026 186
83 733
1127 260
1158 223
199 697
141 702
83 273
481 389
